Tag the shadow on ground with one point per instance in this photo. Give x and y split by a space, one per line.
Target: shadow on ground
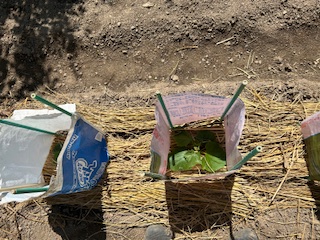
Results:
315 191
311 155
78 215
29 30
199 206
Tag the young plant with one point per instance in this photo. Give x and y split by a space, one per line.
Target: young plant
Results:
200 150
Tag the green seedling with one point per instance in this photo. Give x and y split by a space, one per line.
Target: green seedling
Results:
196 151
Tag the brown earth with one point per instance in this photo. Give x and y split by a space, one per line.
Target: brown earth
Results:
120 53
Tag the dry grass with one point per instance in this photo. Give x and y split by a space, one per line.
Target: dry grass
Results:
273 179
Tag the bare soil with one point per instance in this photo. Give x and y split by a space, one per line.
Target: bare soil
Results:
120 53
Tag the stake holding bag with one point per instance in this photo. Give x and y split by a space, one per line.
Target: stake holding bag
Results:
234 98
190 137
15 124
25 142
50 104
80 160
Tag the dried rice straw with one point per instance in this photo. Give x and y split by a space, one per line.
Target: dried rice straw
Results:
201 205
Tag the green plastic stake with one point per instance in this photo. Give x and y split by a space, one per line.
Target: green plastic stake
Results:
50 104
164 109
31 190
251 154
233 99
25 127
155 175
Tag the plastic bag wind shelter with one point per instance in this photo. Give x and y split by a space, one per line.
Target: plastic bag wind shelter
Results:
186 108
310 128
80 163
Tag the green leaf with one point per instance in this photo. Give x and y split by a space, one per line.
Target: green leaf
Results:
215 157
212 163
182 138
56 150
206 151
184 160
214 149
204 136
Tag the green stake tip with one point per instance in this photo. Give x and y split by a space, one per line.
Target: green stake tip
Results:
155 175
250 155
31 190
50 104
233 99
259 149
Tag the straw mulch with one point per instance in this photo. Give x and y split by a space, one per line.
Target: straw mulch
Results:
273 179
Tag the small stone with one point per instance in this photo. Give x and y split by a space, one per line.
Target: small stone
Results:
278 60
158 232
245 234
64 74
148 5
175 78
119 24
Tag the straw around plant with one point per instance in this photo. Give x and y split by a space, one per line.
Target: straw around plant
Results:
271 124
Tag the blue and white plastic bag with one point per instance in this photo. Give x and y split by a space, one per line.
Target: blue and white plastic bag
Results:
80 164
82 160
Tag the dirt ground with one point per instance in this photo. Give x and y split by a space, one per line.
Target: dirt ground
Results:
119 53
